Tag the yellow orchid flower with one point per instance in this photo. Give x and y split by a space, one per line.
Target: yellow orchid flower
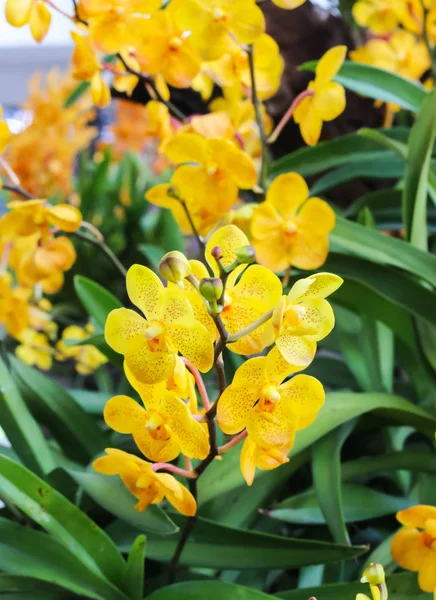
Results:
26 217
380 16
233 69
88 358
148 487
248 298
114 24
211 22
42 261
269 409
328 99
161 430
34 349
32 12
254 456
289 228
87 67
403 53
304 317
414 545
5 134
150 344
209 184
165 48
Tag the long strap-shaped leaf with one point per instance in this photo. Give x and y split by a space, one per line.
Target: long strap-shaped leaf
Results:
57 515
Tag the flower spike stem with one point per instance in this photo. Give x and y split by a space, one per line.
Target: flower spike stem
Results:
186 532
17 190
200 383
100 244
173 469
59 10
233 442
234 337
288 115
257 110
14 185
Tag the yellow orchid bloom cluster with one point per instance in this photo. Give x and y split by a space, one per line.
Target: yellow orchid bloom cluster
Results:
180 331
43 153
87 358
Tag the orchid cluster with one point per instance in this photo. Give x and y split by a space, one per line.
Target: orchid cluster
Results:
226 301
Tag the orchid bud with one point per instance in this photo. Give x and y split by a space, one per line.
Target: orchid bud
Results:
211 288
245 255
174 267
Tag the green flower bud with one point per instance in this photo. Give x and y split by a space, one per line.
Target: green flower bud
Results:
174 267
246 255
211 288
374 574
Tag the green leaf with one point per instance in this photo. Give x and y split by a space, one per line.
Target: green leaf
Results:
20 427
97 301
62 519
92 402
359 504
391 144
31 553
77 432
403 586
393 168
18 584
379 84
382 203
339 408
374 246
343 150
77 93
326 473
420 147
134 577
212 590
111 493
219 547
407 460
393 285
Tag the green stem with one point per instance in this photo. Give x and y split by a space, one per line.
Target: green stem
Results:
234 337
258 113
100 244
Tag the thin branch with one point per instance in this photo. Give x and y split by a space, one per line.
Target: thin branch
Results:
162 466
233 442
17 190
200 383
234 337
200 241
258 112
100 244
59 10
148 80
186 532
288 114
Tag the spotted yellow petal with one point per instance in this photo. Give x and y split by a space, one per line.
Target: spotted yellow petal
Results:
149 367
118 462
261 287
122 327
277 368
193 341
191 435
246 20
329 65
144 289
247 460
302 396
289 4
157 450
123 414
150 393
229 238
319 317
175 309
287 193
276 428
297 351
